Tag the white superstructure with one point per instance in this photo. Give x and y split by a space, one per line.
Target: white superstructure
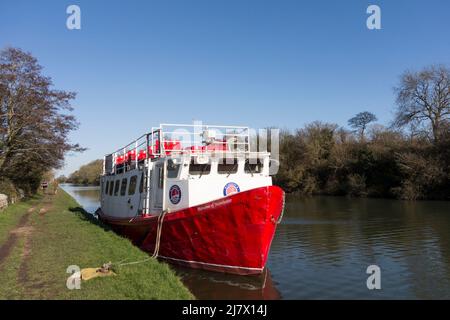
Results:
179 166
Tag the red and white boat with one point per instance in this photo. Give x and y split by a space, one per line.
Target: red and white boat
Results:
194 195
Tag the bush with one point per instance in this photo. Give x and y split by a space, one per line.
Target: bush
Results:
7 188
323 159
408 191
356 185
87 174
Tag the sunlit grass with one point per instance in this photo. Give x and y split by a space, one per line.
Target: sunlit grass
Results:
64 236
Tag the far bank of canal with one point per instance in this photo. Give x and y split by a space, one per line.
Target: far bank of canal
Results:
325 244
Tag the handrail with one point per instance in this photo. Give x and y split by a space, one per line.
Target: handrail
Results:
159 143
200 125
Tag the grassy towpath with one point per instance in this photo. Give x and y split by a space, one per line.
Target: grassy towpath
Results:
41 237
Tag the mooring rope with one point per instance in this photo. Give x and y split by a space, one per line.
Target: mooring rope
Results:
135 262
282 210
157 243
158 233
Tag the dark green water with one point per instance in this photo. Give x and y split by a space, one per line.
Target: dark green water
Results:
324 245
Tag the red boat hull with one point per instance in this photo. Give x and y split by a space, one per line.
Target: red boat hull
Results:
231 235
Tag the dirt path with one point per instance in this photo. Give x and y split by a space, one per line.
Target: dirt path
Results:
20 229
24 230
23 269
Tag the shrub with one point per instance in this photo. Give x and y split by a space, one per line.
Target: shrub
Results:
356 185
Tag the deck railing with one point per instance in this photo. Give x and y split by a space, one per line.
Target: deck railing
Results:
179 139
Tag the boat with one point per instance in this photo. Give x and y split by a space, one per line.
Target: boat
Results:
195 195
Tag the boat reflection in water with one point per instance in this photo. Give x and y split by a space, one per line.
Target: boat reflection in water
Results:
206 285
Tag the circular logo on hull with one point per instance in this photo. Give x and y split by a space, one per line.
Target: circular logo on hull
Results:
175 194
230 188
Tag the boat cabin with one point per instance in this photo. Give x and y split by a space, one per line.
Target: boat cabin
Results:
180 166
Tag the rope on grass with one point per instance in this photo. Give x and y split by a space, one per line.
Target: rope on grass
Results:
157 243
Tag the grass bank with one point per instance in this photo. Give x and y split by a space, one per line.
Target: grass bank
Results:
41 237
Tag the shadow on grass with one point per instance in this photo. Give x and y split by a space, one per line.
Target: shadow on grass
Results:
32 197
86 216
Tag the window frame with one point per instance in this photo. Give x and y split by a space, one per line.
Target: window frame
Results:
224 163
116 187
131 184
206 171
111 187
141 183
259 163
161 177
123 186
170 169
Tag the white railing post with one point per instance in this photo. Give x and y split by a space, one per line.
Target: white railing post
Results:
135 154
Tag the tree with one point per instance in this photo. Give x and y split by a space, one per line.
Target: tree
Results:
88 173
423 100
34 120
360 122
61 179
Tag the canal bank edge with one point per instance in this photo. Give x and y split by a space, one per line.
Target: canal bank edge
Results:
44 237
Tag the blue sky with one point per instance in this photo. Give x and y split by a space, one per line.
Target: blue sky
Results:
261 63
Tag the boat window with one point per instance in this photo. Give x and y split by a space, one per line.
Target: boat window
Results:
161 177
116 187
111 187
200 169
141 185
123 187
107 187
132 187
172 170
253 166
227 166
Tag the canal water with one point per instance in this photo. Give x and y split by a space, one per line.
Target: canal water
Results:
324 245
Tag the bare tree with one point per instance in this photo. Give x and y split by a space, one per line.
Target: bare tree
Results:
423 100
360 122
34 120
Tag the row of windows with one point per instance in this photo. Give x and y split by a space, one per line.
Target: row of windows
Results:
222 168
112 188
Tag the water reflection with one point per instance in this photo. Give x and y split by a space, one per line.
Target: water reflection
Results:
324 245
214 285
329 242
87 196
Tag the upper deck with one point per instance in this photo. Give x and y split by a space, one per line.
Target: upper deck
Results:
178 140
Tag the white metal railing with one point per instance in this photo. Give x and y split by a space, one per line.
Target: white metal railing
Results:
177 139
